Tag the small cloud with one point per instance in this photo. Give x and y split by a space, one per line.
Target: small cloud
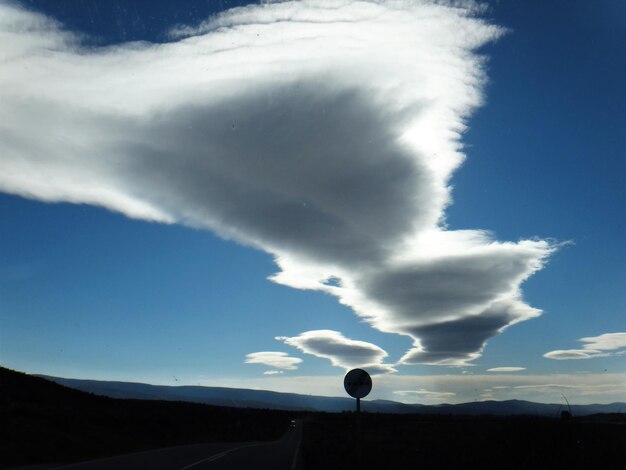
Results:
595 346
605 342
341 351
278 360
425 394
273 372
543 386
506 369
569 354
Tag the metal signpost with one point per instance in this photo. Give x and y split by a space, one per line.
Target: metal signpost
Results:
358 384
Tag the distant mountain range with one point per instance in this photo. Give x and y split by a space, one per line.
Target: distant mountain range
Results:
244 398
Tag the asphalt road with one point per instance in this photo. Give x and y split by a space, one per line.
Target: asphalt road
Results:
283 454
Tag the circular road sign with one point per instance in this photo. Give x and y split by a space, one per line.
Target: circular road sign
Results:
357 383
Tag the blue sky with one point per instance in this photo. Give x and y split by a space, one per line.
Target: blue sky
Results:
87 292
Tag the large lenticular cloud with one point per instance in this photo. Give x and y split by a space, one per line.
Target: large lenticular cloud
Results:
323 132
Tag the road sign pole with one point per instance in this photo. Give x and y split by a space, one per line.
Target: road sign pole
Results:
358 384
357 436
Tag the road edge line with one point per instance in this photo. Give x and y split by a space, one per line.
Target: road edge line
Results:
218 456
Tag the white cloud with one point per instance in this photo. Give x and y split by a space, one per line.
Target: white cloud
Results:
273 372
605 342
543 387
341 351
324 132
425 395
568 354
278 360
506 369
595 346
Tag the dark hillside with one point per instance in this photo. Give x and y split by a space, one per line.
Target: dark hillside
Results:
44 422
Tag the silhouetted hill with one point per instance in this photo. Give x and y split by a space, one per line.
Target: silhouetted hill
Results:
242 398
44 422
217 396
521 407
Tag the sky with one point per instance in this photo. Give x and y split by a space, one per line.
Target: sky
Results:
267 195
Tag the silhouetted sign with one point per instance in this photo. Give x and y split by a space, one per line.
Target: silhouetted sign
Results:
357 383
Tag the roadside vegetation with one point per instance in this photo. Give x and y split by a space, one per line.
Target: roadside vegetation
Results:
372 441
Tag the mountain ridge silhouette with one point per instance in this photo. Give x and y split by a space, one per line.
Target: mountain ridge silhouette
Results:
248 398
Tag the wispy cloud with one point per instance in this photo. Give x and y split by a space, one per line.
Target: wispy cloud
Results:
341 351
273 372
595 346
277 360
425 395
544 387
569 354
506 369
322 132
605 342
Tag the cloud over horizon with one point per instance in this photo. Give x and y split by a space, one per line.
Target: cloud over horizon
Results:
291 128
595 346
584 388
425 395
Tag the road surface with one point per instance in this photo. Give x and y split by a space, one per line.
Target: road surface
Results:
283 454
